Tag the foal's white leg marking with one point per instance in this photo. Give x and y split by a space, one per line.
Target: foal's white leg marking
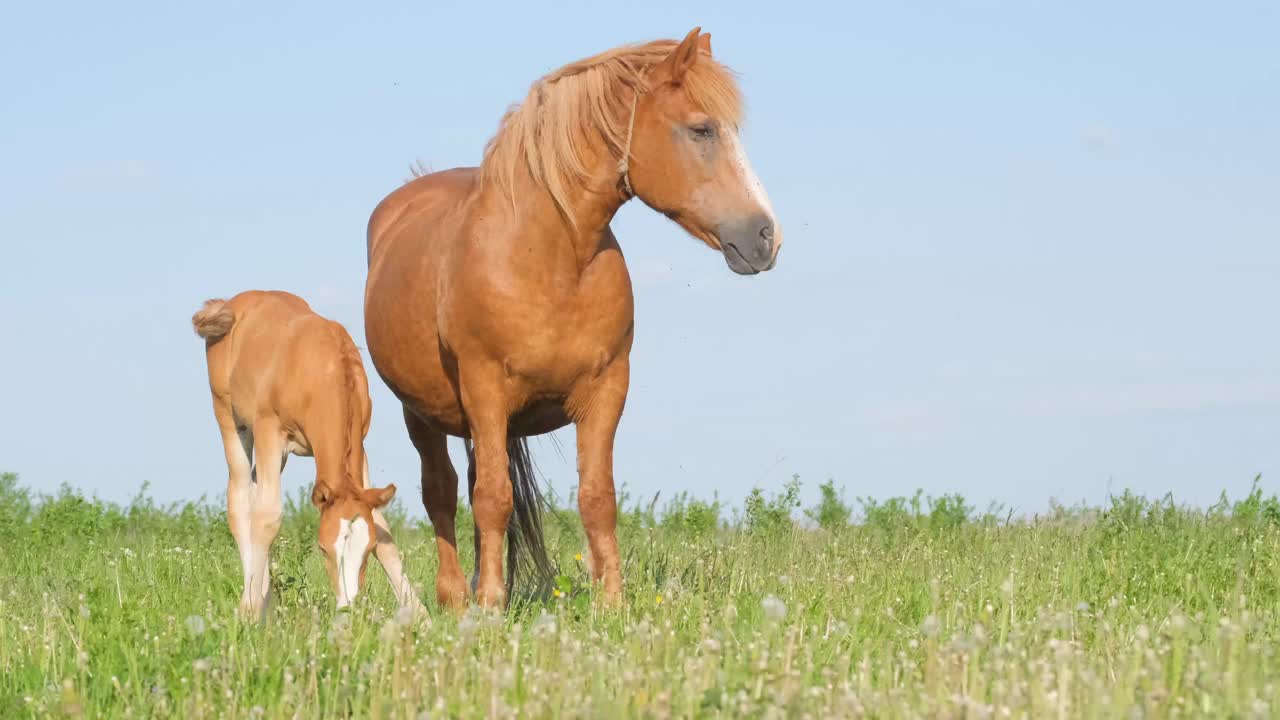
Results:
348 548
389 557
239 449
267 511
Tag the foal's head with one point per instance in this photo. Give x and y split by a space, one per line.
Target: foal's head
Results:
687 160
348 534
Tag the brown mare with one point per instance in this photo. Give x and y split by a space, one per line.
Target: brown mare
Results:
285 380
498 304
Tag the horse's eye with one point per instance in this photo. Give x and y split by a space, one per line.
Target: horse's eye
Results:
702 131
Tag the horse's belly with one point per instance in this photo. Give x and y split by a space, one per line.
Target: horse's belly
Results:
405 348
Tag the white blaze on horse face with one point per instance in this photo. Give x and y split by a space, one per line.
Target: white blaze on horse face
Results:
349 551
751 183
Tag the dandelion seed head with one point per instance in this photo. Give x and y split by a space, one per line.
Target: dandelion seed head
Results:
774 609
390 631
195 625
468 625
404 616
931 626
544 625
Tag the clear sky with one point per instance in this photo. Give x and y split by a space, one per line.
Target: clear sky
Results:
1032 249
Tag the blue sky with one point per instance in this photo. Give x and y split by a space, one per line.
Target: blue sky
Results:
1032 248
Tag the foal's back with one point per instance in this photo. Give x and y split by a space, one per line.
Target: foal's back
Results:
280 358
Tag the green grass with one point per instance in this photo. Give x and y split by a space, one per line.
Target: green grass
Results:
919 608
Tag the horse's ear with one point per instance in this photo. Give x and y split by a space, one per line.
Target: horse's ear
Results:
320 495
674 66
704 43
377 497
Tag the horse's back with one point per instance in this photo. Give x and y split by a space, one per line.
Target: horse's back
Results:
416 206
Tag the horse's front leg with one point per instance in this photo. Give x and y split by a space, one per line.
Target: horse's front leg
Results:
597 424
487 411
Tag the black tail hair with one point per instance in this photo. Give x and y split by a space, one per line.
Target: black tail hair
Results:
526 544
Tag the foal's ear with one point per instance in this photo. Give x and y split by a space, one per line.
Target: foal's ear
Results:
377 497
320 495
675 65
704 43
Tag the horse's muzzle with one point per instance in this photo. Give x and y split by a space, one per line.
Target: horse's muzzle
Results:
748 245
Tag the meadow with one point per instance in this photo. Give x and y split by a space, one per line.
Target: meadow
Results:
914 607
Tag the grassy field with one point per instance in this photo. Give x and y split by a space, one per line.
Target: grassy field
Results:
911 608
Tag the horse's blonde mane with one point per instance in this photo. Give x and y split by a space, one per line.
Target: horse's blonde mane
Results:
570 108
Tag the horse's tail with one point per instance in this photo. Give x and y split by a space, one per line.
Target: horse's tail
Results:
213 320
526 546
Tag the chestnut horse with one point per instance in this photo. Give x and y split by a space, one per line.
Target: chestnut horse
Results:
286 380
498 304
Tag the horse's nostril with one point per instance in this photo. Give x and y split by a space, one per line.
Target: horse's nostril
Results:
766 232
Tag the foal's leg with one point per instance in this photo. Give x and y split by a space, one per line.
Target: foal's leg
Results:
440 498
487 414
238 447
597 503
389 557
268 438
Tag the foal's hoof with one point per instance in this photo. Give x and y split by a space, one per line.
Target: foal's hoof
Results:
251 612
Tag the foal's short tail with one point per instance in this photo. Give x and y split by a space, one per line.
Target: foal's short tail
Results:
526 545
213 319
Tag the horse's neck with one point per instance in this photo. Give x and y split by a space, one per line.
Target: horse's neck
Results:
536 220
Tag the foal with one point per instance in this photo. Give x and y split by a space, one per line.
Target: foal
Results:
286 380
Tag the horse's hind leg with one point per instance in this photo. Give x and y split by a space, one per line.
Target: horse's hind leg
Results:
471 499
389 557
238 447
440 498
